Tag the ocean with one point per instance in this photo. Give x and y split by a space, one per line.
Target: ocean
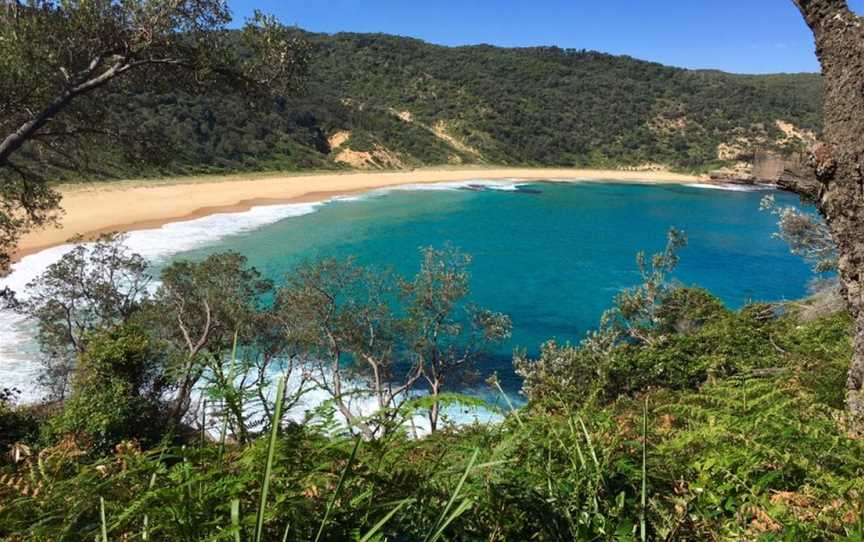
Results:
550 255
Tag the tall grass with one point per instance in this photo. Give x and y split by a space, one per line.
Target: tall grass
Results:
447 516
102 523
332 500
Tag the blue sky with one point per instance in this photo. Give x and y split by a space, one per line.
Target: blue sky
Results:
743 36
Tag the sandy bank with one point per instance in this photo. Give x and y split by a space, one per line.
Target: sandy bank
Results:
130 205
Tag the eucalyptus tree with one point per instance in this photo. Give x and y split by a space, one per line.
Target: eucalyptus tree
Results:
92 287
838 162
64 61
370 338
347 331
444 335
199 309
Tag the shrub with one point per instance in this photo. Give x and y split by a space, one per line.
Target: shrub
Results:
115 393
16 424
690 334
686 310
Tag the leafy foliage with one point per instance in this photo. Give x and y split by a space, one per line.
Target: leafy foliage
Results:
16 424
91 287
116 394
754 455
807 235
725 425
65 64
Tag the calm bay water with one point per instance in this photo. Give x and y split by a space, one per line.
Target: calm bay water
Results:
552 256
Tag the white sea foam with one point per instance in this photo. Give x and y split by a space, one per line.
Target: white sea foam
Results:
733 187
507 185
18 360
307 407
366 405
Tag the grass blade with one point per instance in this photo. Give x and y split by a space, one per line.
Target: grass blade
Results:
643 531
507 400
458 511
232 374
576 440
102 518
235 518
445 520
378 526
336 493
271 452
590 445
145 532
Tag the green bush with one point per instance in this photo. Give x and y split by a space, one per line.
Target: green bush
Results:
17 424
115 393
686 310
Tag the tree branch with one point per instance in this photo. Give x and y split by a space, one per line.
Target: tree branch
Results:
28 130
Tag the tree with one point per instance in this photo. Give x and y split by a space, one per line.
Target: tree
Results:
371 335
63 61
341 319
643 317
443 335
199 308
838 162
237 388
92 287
637 311
807 235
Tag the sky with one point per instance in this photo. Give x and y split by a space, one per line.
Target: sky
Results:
740 36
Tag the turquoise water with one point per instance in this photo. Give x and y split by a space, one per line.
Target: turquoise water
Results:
551 258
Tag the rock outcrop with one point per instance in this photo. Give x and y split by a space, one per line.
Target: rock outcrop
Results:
766 168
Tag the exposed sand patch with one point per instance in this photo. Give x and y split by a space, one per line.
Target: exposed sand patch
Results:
733 150
790 131
440 131
338 139
378 158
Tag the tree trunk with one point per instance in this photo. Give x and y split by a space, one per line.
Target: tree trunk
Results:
435 409
839 162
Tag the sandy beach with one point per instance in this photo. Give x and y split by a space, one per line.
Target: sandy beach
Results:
94 208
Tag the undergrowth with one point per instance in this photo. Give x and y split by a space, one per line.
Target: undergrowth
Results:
760 454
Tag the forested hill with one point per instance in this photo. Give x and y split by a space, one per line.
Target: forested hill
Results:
379 101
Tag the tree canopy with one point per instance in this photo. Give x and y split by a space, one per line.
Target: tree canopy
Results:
63 63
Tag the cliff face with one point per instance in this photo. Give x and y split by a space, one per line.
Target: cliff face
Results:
768 167
765 167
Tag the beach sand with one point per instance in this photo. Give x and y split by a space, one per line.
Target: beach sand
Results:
100 207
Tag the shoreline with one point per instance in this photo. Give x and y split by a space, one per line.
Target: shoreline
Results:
129 205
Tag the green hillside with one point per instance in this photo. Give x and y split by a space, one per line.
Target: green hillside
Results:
399 102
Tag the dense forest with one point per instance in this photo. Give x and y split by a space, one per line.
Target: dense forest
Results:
379 101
